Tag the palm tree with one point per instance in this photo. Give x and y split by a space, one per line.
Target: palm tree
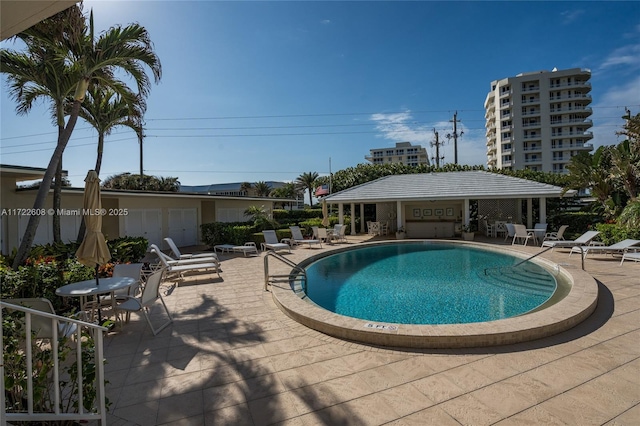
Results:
307 181
78 59
245 187
262 188
105 110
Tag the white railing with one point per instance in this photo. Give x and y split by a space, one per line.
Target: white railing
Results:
99 411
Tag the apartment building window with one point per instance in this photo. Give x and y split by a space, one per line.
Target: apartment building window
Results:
377 154
389 152
399 151
506 135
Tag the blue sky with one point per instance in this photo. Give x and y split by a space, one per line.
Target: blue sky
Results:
268 90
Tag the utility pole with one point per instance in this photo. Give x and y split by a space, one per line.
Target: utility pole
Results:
455 137
437 144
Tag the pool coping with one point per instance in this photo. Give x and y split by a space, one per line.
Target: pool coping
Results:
574 308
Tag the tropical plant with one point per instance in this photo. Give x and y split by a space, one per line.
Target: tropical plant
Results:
260 218
307 181
62 58
262 188
141 183
245 188
286 191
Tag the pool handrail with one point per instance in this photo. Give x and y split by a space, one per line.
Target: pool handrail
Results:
268 279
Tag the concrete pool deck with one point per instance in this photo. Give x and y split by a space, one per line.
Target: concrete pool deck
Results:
232 357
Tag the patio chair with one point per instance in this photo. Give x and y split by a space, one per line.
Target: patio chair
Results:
630 255
582 240
180 267
339 233
246 249
556 236
323 235
490 230
620 247
271 242
150 294
179 256
510 231
521 234
42 326
297 237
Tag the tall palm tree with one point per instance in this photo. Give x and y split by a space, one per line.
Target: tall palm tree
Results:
83 58
105 110
307 181
245 187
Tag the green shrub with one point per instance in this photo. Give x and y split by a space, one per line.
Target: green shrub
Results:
579 222
236 233
127 249
290 216
611 233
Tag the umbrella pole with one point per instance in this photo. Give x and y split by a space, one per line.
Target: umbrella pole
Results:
98 296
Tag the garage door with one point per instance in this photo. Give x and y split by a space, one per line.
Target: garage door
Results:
145 223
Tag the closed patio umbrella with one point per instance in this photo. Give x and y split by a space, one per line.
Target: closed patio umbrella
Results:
325 214
93 250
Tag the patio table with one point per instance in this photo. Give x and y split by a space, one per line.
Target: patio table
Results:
88 288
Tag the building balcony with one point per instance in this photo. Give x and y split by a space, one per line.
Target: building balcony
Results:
506 105
529 125
532 137
570 96
531 101
532 148
530 113
530 89
536 160
571 84
587 135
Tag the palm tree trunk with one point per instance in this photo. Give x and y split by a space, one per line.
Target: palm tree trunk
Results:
32 226
310 198
57 193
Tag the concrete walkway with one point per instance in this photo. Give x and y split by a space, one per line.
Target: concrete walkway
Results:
232 357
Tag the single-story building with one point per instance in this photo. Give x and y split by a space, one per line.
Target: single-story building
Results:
153 215
436 205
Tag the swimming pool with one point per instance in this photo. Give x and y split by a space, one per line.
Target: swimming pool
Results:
575 299
427 283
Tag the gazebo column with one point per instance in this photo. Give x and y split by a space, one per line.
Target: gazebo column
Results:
465 212
399 215
529 213
353 219
341 213
362 230
543 210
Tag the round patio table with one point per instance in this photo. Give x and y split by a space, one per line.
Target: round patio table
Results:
88 288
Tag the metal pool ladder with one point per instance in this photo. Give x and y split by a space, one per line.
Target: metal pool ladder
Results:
297 274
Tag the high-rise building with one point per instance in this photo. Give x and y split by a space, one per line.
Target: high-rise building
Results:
404 152
538 120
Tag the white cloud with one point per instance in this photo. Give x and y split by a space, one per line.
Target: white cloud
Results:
571 15
607 118
400 127
325 21
626 56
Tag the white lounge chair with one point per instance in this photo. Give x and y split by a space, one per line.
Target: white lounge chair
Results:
556 236
582 240
339 233
297 237
150 294
246 249
630 255
180 267
509 232
211 257
620 247
521 234
179 256
271 242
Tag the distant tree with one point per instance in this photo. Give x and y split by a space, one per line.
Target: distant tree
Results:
65 182
145 183
286 191
307 181
246 187
262 188
260 217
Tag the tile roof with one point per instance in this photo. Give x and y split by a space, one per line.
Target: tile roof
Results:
446 186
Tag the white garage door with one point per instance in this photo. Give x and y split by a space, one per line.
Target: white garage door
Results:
183 226
145 223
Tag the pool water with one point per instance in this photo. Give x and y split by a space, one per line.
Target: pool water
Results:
427 283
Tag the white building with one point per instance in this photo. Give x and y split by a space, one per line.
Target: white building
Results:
404 152
538 120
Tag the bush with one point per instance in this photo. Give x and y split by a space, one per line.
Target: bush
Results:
290 216
611 233
227 233
579 222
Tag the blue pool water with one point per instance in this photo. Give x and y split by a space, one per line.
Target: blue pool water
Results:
427 283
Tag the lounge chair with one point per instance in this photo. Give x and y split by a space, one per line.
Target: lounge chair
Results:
179 256
271 242
620 247
556 236
521 234
582 240
211 257
246 249
150 293
630 255
297 237
509 232
180 267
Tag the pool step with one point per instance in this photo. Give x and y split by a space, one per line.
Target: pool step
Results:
521 279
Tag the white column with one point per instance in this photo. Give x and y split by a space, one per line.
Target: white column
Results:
353 219
341 214
362 230
465 212
399 215
529 213
543 210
